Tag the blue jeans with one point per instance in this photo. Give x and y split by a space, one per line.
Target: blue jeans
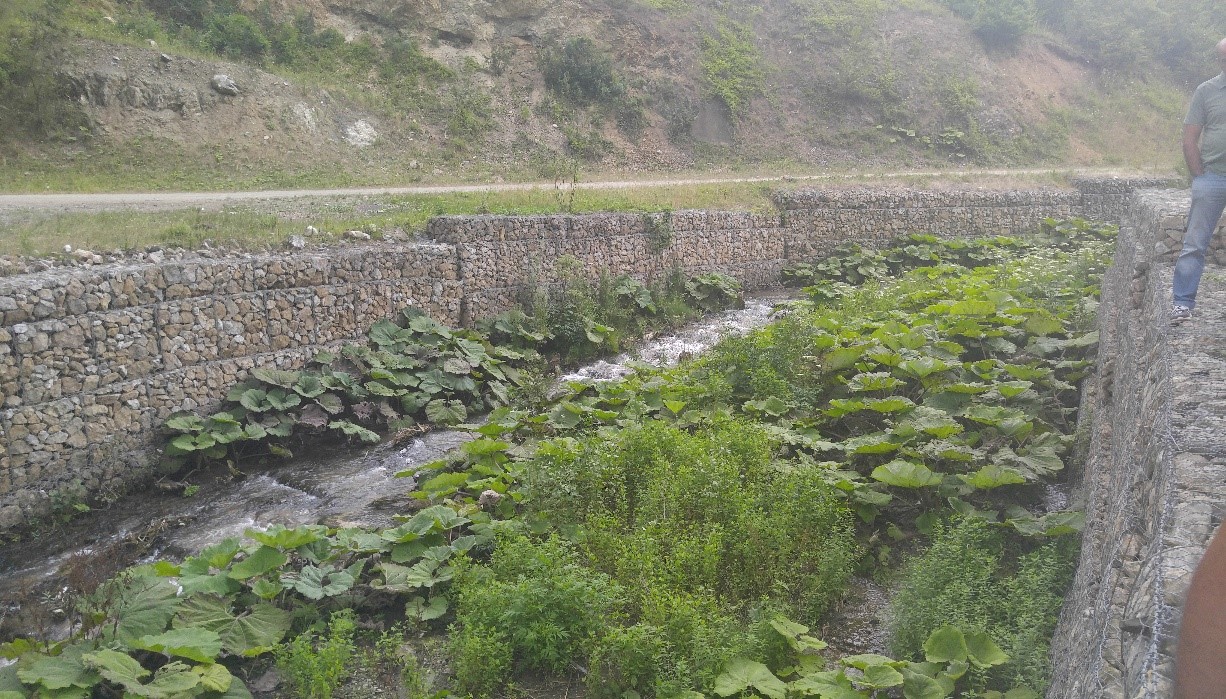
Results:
1208 201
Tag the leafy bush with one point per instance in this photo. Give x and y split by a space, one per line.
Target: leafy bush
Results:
579 71
34 98
971 577
417 369
677 511
469 116
235 36
712 290
481 659
732 66
1003 22
315 668
540 600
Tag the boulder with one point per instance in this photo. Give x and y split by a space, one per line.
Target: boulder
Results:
224 84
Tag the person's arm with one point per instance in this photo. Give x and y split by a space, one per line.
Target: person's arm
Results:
1191 149
1200 660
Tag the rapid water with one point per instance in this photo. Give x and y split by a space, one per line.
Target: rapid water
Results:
337 486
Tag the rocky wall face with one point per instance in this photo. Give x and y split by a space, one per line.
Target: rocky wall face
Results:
93 361
1155 480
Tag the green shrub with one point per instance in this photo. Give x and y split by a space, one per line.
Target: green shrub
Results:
732 66
34 98
973 578
315 668
713 290
1003 22
469 116
481 659
625 660
235 36
579 71
541 600
586 144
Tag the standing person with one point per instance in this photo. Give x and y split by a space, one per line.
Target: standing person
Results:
1204 150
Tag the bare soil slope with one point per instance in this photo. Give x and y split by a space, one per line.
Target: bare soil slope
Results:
918 89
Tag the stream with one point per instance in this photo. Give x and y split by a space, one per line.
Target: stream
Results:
335 485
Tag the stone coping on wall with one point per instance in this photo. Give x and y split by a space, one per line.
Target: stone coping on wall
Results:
1154 483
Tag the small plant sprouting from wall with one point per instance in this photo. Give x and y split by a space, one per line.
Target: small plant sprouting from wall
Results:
659 231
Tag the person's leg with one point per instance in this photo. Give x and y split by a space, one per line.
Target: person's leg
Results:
1208 201
1200 657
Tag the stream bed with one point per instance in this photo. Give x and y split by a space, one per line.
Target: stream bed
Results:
338 485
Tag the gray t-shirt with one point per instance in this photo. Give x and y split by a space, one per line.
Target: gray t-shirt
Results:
1208 110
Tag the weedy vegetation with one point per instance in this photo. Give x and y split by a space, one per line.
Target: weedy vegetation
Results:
680 532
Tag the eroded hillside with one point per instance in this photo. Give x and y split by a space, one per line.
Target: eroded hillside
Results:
380 91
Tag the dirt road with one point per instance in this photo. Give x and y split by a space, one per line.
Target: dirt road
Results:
162 201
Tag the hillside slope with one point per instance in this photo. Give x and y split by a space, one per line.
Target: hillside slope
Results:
387 92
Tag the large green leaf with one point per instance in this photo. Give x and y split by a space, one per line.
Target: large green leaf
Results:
920 686
189 422
873 381
831 684
972 308
63 671
117 667
353 430
387 334
993 476
264 559
193 643
282 399
144 605
309 386
906 474
171 681
944 645
318 583
251 633
873 443
423 574
215 678
445 412
922 367
255 400
982 652
742 674
281 537
882 676
893 404
842 357
422 610
277 377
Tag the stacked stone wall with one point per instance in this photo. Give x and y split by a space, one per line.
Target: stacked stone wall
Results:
1154 483
501 257
93 360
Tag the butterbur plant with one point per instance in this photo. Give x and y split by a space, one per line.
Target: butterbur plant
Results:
949 654
408 371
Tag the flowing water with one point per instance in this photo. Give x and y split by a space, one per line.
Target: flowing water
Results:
334 485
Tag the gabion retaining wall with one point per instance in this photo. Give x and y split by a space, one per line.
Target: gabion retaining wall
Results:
93 360
1154 484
